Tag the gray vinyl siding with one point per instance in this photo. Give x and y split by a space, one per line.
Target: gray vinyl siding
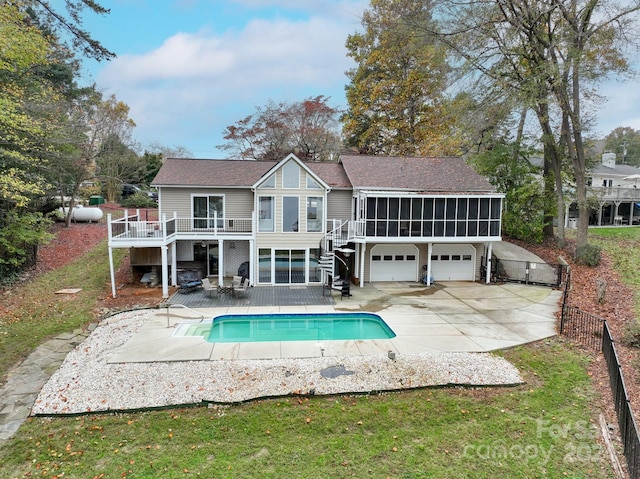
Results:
339 204
289 239
238 203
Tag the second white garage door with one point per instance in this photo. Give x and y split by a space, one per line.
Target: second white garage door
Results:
394 262
453 262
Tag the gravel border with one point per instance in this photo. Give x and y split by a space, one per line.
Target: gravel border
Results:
85 382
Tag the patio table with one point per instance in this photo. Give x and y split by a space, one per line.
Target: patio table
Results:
225 289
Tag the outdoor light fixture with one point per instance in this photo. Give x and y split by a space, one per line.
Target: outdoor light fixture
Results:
346 251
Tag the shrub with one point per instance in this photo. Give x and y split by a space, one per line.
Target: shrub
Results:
139 200
588 255
631 333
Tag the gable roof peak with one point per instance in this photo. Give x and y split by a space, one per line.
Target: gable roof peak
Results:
284 161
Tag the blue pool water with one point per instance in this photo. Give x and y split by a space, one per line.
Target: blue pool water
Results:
234 328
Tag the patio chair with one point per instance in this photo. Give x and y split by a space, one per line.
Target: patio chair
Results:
207 286
242 288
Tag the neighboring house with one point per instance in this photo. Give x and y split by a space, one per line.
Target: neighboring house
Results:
300 223
615 189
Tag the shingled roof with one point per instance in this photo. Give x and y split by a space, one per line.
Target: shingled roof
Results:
332 173
235 173
229 173
432 175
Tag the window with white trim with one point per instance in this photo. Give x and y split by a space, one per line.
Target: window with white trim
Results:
208 209
291 176
290 214
315 212
266 214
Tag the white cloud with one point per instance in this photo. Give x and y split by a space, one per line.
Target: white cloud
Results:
205 81
620 108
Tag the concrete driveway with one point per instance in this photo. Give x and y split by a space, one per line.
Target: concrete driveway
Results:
462 316
448 317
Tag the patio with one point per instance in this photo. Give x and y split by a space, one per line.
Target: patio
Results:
255 297
456 317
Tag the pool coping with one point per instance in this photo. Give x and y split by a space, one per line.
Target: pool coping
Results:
462 317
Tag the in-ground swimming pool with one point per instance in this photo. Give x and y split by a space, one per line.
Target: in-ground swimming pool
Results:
238 328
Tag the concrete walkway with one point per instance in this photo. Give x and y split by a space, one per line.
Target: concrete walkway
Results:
25 381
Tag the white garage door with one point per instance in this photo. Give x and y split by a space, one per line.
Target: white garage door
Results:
453 262
394 262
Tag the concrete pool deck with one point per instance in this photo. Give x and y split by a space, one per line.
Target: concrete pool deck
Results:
449 317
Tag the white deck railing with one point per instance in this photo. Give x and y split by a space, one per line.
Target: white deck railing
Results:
131 227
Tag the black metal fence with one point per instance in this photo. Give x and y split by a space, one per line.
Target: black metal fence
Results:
528 272
582 327
594 333
626 422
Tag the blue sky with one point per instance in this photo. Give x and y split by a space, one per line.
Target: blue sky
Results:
189 68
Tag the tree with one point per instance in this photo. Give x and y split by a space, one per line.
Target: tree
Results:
36 78
396 94
625 142
307 128
116 162
550 51
507 167
24 128
68 23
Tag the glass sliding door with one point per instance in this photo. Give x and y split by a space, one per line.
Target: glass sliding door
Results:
290 266
281 259
205 211
298 266
214 254
264 265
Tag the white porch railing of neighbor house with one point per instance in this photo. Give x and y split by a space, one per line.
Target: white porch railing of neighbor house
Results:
615 193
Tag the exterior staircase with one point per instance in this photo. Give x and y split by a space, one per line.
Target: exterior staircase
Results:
336 238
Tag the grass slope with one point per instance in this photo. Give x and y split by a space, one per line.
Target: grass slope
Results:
39 313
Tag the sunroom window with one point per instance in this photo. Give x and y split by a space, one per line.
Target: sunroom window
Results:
433 217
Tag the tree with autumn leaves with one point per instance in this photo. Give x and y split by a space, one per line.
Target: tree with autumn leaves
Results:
548 55
396 94
307 128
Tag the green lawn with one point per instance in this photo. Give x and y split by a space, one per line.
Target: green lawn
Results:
542 429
